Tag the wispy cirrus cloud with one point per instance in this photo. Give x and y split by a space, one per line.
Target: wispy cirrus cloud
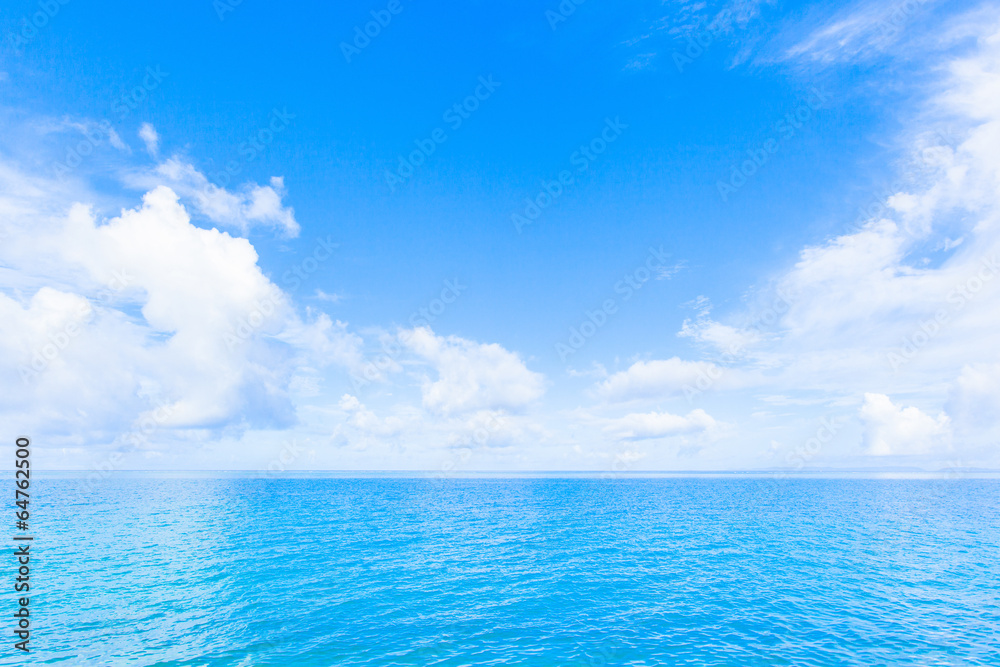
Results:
858 32
897 312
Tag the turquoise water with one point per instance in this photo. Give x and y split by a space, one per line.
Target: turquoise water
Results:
531 571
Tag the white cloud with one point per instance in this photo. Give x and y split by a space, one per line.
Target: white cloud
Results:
596 370
195 286
860 31
656 379
724 338
149 137
93 133
252 206
896 287
166 332
472 376
367 423
974 405
265 206
325 341
117 142
642 426
110 319
892 429
729 343
332 298
175 334
349 403
665 272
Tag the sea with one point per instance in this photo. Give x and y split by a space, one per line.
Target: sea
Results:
582 570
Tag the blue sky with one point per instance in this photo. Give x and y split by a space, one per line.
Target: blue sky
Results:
646 128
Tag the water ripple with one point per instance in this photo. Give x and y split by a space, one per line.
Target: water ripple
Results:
206 572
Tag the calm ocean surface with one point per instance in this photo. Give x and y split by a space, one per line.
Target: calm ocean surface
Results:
524 571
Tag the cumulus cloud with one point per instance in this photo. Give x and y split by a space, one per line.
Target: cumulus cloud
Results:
37 331
325 341
145 317
892 429
146 323
251 206
364 420
194 286
470 375
643 426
